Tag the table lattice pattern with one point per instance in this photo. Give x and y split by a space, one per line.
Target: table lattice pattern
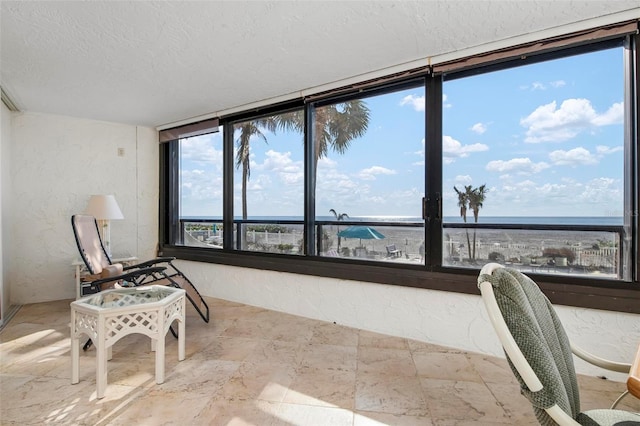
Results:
113 314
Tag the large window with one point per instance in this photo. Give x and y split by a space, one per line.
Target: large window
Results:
369 156
201 190
529 160
541 147
268 189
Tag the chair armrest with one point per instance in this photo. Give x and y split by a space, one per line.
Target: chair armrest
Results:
620 367
560 417
134 274
150 262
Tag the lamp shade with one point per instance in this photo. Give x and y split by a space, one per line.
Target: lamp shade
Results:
104 207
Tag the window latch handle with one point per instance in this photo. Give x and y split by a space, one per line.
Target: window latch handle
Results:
432 210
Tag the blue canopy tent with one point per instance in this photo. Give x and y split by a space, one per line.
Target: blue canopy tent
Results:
361 232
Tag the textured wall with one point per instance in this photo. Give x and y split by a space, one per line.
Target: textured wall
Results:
450 319
57 163
5 165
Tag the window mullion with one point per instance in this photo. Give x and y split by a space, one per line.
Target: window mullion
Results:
433 171
309 184
227 204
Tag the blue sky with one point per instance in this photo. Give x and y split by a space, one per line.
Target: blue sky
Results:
546 139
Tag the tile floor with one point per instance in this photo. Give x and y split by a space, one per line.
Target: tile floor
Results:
252 366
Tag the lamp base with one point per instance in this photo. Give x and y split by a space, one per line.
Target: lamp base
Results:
105 235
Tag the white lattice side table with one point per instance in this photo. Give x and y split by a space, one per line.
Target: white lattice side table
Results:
108 316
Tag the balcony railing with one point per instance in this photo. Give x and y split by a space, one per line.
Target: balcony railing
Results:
594 250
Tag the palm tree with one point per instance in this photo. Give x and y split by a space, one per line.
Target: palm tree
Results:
463 201
334 126
339 217
247 130
476 199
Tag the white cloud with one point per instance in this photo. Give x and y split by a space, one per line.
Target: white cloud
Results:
452 149
479 128
517 165
574 157
201 149
327 163
201 175
538 85
420 152
605 150
372 172
331 180
551 124
614 115
599 190
288 171
581 156
463 179
445 104
561 197
417 102
200 184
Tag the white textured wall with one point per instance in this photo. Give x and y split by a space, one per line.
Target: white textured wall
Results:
57 163
5 201
449 319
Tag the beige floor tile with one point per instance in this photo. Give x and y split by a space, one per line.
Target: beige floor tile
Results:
310 415
292 331
371 418
32 333
419 347
252 366
329 357
491 369
251 329
443 365
324 388
375 340
51 400
227 349
238 413
326 333
457 400
277 352
268 382
34 360
161 408
390 394
396 362
516 406
197 377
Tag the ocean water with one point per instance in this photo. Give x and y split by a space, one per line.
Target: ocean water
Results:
528 220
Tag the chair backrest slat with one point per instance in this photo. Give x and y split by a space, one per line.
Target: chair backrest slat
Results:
92 251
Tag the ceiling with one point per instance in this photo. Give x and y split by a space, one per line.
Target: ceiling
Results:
152 63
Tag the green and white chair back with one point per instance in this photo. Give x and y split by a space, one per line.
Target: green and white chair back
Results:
539 351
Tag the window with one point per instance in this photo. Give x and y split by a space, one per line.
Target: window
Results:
369 156
268 189
540 148
419 180
201 190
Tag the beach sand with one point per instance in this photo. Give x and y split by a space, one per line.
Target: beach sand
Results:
588 252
